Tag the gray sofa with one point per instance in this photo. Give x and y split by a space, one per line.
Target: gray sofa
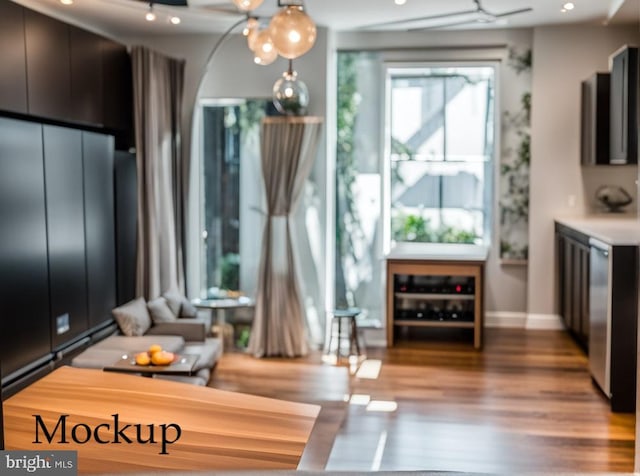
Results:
139 328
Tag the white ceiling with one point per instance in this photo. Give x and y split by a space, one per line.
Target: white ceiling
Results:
126 17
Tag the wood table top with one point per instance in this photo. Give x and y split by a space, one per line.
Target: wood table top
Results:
219 430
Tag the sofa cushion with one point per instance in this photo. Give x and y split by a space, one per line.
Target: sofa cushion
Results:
187 309
179 304
133 317
174 300
160 311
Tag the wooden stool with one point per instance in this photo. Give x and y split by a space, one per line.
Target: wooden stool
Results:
338 315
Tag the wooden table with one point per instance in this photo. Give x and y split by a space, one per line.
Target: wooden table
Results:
220 430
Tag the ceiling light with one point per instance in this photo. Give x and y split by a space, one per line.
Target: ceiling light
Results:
568 6
175 20
150 16
66 2
399 2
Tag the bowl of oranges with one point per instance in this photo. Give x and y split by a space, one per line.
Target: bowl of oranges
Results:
155 356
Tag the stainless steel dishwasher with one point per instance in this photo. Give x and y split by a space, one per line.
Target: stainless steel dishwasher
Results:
600 314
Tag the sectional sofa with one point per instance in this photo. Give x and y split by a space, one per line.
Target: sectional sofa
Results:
170 321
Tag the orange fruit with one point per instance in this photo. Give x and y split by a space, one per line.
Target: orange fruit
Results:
162 358
155 348
143 358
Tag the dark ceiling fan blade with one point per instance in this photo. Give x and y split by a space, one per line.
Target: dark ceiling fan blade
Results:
447 25
419 19
512 12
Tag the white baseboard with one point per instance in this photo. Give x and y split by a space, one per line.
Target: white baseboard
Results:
505 319
522 320
544 321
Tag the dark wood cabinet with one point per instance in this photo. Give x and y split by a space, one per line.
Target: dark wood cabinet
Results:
573 280
126 202
594 130
25 336
118 93
99 225
86 76
13 73
624 107
65 74
65 233
48 66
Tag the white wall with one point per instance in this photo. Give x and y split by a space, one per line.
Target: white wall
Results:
563 56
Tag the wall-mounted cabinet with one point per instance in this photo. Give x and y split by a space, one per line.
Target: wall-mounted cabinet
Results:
594 128
13 73
624 107
62 73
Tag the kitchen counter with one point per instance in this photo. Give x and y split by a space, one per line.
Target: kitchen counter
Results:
438 252
617 230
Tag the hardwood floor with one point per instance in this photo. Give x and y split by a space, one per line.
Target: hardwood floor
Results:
525 403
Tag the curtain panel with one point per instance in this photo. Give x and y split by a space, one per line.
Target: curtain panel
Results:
158 91
288 150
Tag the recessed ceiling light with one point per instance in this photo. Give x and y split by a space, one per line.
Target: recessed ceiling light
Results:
568 6
66 2
175 20
150 16
400 2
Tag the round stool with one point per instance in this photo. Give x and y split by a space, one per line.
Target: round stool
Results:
338 315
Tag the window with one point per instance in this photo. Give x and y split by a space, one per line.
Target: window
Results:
230 163
441 135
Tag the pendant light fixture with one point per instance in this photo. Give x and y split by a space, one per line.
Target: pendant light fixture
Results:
290 95
292 31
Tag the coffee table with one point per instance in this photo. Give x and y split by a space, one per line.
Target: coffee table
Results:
183 365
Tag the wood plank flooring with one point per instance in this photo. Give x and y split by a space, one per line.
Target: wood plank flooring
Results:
525 403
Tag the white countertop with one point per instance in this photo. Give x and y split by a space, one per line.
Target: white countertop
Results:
438 252
611 228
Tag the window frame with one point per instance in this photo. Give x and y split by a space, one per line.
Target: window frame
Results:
492 167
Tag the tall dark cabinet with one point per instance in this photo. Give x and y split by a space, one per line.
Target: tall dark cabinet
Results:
624 107
85 50
126 225
99 226
25 337
65 232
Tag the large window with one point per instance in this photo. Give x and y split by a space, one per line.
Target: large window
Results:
231 219
440 142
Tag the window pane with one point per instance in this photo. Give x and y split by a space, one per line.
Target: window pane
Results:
231 139
442 127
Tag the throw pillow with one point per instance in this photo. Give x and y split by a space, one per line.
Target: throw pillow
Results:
160 311
133 317
174 300
179 304
187 309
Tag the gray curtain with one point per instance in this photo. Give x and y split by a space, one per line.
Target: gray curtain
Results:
288 149
158 89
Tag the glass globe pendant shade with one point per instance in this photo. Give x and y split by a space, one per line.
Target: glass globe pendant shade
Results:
292 31
265 52
251 32
247 5
290 95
